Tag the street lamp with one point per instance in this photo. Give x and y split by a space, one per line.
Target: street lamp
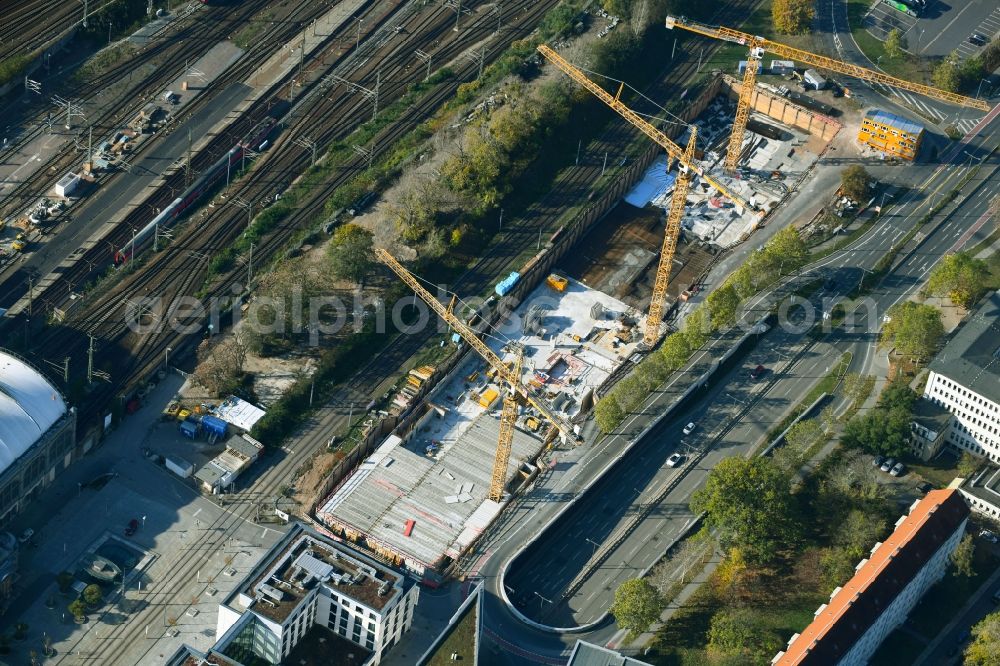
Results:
593 543
166 365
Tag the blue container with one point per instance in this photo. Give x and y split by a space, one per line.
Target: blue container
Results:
507 284
214 425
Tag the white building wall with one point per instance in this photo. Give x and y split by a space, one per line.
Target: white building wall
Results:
227 618
901 606
975 423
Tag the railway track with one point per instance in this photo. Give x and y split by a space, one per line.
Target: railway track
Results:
29 25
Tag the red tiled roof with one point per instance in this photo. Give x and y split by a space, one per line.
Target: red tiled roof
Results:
859 603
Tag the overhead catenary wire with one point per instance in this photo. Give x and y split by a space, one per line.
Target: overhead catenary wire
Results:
500 337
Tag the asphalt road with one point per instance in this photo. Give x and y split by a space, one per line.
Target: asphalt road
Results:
961 224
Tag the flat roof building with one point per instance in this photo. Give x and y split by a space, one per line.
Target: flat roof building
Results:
964 379
890 134
981 491
885 586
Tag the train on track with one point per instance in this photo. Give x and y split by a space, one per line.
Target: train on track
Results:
257 140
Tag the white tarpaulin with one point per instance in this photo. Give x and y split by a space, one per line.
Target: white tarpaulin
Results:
654 187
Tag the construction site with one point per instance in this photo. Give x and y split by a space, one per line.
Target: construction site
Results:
425 494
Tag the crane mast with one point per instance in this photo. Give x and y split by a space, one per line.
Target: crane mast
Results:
673 150
758 46
504 372
508 417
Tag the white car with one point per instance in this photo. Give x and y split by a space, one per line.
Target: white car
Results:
689 428
674 460
989 536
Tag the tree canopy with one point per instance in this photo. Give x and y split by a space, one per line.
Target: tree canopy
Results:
961 557
637 605
855 182
985 647
350 252
914 329
750 505
960 277
879 431
741 634
894 43
792 16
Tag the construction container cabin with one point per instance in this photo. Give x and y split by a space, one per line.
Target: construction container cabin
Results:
891 134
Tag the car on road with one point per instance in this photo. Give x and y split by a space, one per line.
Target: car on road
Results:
877 461
689 428
26 535
758 372
887 464
897 469
674 460
132 527
989 536
977 39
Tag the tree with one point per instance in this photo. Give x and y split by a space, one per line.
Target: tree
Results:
961 277
879 431
894 43
860 530
92 594
350 252
897 395
722 306
805 434
855 182
968 465
78 609
675 351
836 566
786 251
947 75
749 503
914 329
697 328
64 579
740 633
608 413
985 647
221 362
961 558
636 606
792 16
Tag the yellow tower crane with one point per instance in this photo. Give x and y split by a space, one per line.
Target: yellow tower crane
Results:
685 158
758 46
511 376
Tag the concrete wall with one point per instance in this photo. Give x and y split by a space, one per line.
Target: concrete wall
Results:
784 111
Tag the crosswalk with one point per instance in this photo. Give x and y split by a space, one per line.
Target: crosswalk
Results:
929 112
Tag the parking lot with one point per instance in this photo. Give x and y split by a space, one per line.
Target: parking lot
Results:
941 29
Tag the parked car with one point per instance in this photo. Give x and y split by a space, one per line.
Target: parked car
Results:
674 460
689 428
989 536
877 461
887 464
757 372
897 469
26 535
977 39
132 527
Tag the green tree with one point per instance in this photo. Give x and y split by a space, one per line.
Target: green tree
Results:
792 16
787 250
78 609
805 434
64 579
879 431
855 182
608 413
961 558
947 75
985 647
350 252
637 605
631 391
723 304
750 505
961 277
836 565
92 594
675 351
894 43
968 465
741 634
654 369
897 394
697 328
914 329
859 531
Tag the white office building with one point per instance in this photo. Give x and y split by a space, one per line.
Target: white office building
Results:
965 379
308 580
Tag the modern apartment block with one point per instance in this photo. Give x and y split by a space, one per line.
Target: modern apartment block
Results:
891 134
312 590
885 587
965 379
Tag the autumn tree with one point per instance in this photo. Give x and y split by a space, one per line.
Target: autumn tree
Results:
749 504
961 277
743 635
792 16
968 465
984 650
961 558
914 329
948 75
222 362
92 594
636 605
350 252
894 43
855 181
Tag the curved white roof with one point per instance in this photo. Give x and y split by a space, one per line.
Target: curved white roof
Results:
29 405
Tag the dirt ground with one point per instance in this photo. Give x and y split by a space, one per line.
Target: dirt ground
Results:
620 256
